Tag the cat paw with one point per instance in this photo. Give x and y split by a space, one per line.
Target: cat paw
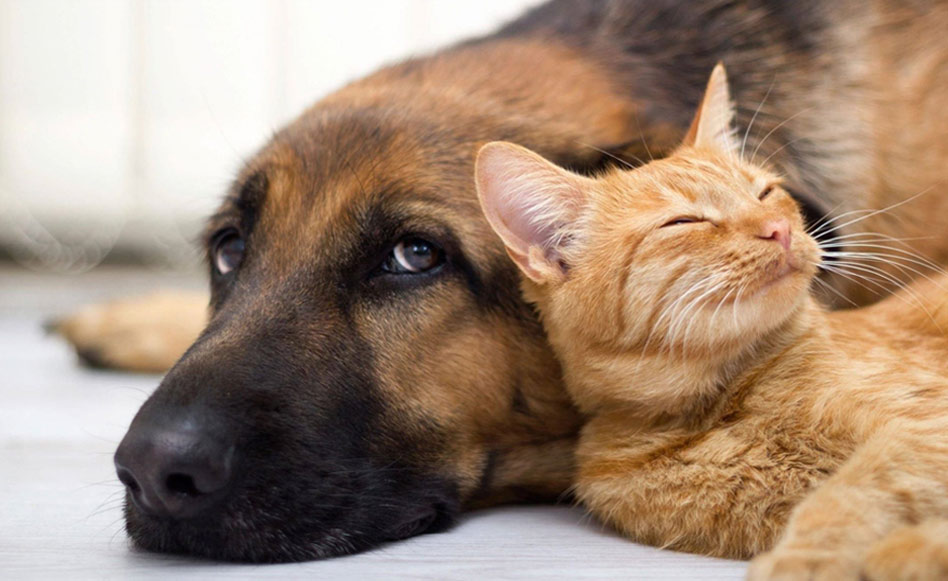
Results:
912 553
802 565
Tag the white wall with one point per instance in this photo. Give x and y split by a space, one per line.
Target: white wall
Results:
122 121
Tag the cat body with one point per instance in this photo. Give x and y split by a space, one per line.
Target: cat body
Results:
729 412
725 480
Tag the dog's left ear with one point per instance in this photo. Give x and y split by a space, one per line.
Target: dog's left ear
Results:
531 204
713 123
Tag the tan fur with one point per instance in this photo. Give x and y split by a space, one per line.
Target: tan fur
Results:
146 334
882 111
910 553
875 103
889 132
731 414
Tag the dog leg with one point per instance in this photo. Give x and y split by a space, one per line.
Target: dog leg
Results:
146 334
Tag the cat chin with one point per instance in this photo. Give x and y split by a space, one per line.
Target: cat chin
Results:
787 281
772 304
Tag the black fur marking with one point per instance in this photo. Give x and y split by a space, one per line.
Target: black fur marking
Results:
312 480
92 357
812 212
320 474
382 226
487 475
240 212
250 200
518 402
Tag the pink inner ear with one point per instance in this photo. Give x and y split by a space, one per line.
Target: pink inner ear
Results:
528 201
530 220
526 194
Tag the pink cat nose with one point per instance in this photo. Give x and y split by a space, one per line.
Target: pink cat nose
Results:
778 230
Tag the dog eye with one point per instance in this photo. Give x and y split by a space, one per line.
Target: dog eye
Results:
681 220
767 191
413 256
228 251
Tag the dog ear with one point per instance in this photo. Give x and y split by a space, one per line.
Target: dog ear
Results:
712 125
531 204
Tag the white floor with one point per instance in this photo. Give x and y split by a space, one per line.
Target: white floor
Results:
60 502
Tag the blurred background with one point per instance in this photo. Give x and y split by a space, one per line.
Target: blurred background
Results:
122 121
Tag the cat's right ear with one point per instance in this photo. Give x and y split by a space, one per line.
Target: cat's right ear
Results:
713 123
530 203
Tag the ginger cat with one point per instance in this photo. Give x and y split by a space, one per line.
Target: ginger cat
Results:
730 414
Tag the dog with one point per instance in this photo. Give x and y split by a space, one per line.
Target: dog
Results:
368 367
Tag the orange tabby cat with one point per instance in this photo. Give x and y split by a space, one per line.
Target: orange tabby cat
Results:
730 413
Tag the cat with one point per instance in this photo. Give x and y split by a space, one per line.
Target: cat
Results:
730 413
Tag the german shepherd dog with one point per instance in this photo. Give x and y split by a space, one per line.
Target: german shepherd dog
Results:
369 368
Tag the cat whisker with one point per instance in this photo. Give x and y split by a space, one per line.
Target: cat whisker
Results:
892 259
866 268
669 310
613 156
877 289
778 150
905 249
901 258
667 343
822 226
856 247
829 215
875 236
828 221
679 319
721 303
830 288
883 210
901 285
737 299
696 303
642 135
754 117
778 126
858 244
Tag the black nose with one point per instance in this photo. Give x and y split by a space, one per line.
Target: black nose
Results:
177 471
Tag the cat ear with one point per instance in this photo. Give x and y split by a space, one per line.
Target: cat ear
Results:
712 125
529 202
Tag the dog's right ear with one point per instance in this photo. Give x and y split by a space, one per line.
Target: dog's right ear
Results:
531 204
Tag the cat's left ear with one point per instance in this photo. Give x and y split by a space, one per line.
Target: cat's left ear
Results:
713 123
531 203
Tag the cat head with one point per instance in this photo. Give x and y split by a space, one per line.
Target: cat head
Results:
697 251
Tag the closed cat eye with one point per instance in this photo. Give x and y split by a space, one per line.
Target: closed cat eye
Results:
681 220
767 191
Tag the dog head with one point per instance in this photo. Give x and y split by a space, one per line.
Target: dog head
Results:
369 367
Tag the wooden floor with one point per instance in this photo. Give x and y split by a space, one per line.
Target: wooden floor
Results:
60 501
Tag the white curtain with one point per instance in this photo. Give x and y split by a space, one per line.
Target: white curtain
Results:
122 121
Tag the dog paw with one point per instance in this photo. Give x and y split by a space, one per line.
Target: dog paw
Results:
912 553
802 565
146 334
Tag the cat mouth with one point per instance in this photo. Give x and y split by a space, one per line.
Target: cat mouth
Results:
776 277
784 272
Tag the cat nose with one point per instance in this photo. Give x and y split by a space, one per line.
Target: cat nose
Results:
778 230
